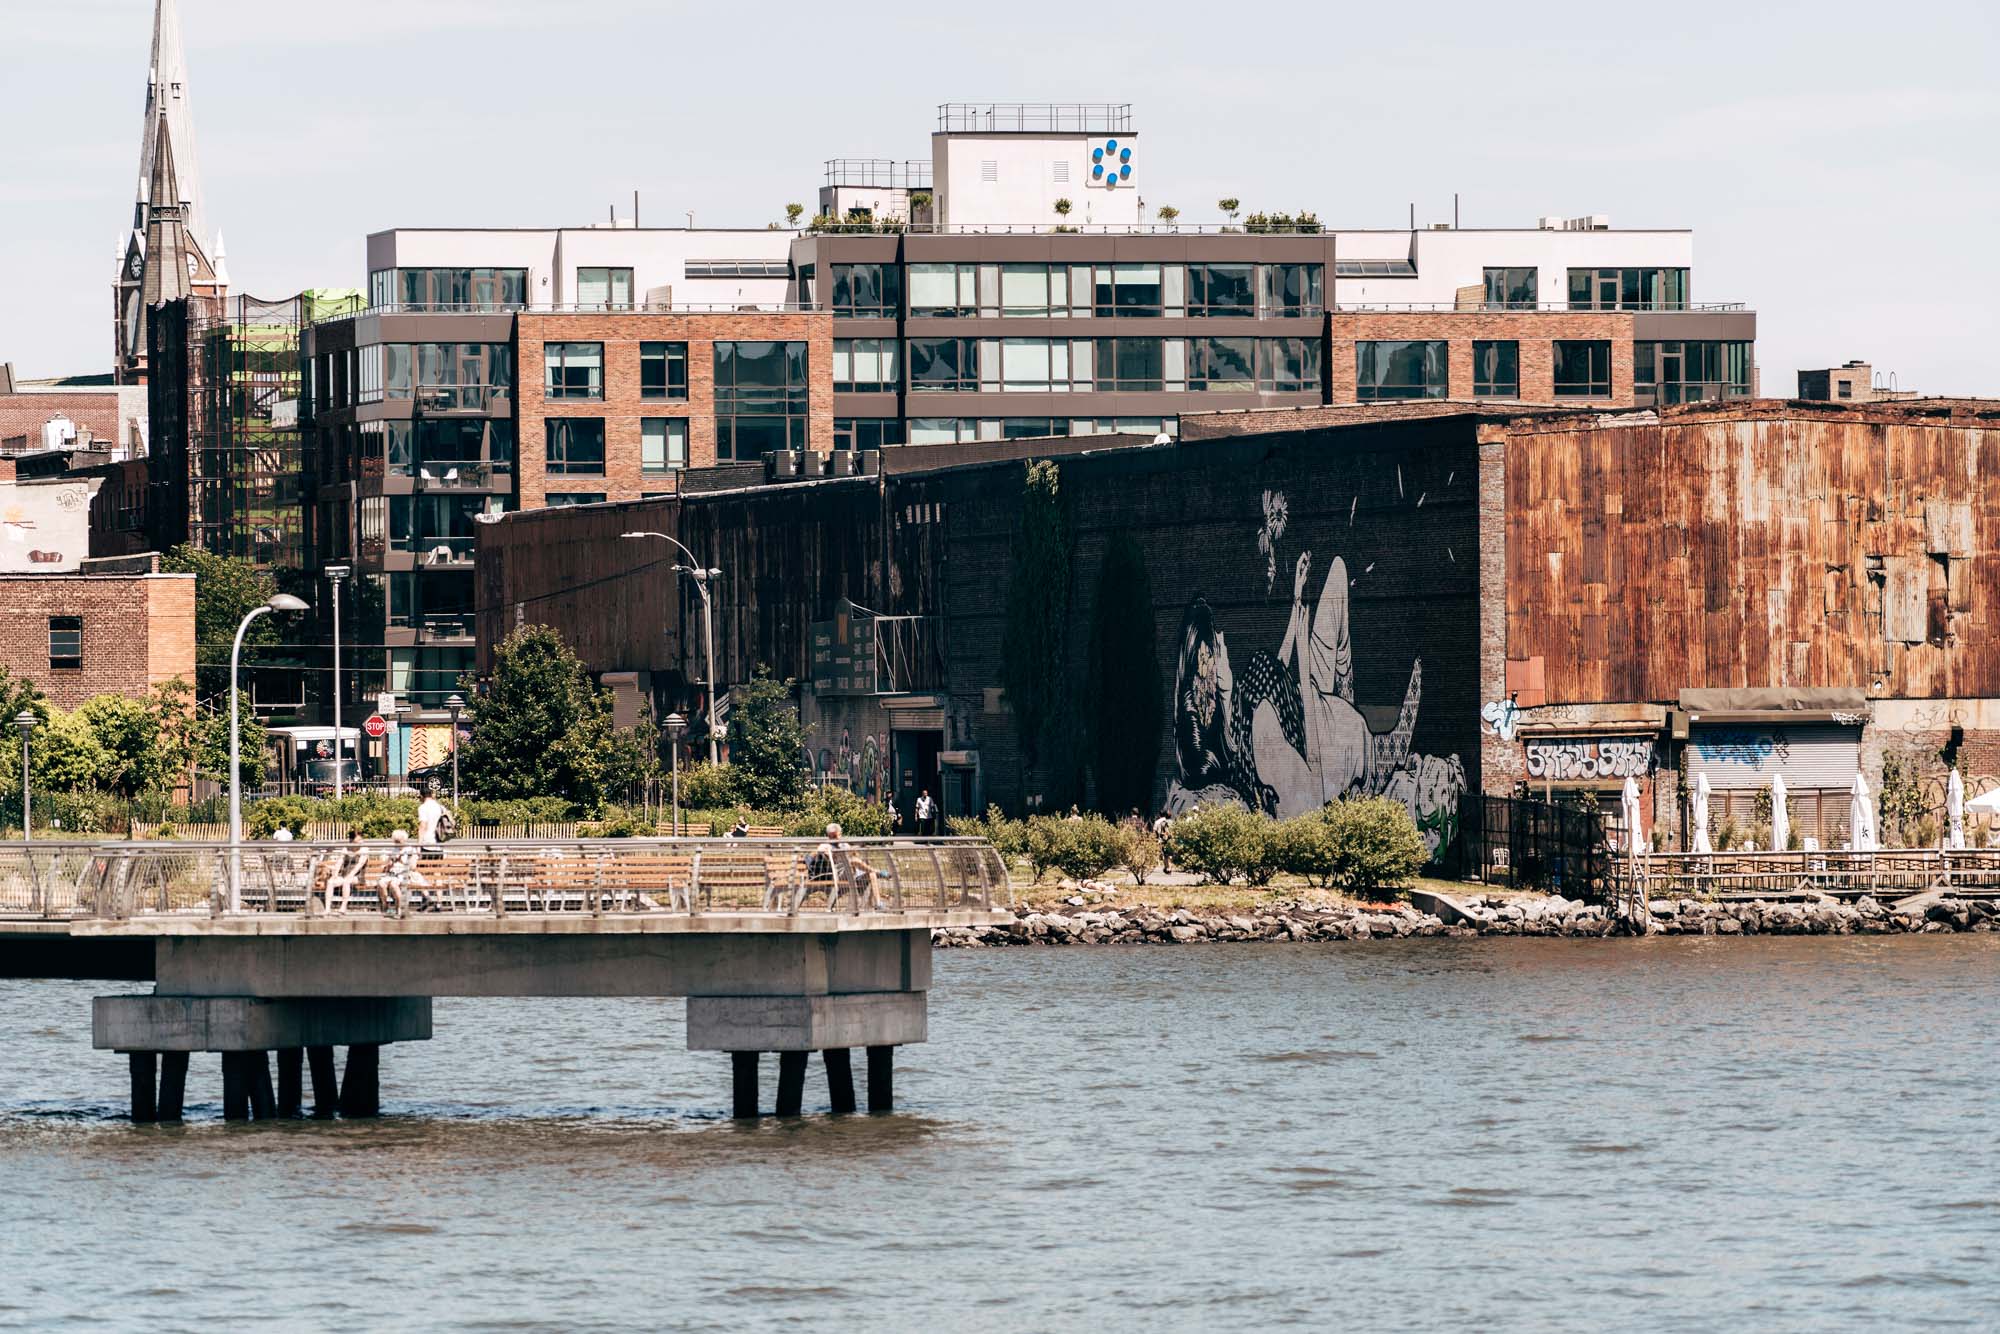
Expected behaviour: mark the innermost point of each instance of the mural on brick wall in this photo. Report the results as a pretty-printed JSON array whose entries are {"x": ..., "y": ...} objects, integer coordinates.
[{"x": 1281, "y": 732}]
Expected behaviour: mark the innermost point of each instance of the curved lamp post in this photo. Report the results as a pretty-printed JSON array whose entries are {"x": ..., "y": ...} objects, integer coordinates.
[
  {"x": 454, "y": 704},
  {"x": 676, "y": 727},
  {"x": 279, "y": 602},
  {"x": 26, "y": 723},
  {"x": 701, "y": 577}
]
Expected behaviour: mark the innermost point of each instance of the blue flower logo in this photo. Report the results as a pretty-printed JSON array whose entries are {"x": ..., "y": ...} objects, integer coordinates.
[{"x": 1110, "y": 165}]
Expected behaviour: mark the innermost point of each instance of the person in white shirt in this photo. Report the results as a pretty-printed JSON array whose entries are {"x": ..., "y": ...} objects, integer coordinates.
[
  {"x": 393, "y": 885},
  {"x": 430, "y": 815},
  {"x": 926, "y": 814}
]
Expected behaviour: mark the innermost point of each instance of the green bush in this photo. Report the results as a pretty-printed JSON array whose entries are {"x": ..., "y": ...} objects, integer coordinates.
[
  {"x": 262, "y": 818},
  {"x": 1223, "y": 843},
  {"x": 1142, "y": 852},
  {"x": 1305, "y": 846},
  {"x": 710, "y": 787},
  {"x": 1008, "y": 837},
  {"x": 1377, "y": 846},
  {"x": 834, "y": 805},
  {"x": 528, "y": 810},
  {"x": 1081, "y": 849}
]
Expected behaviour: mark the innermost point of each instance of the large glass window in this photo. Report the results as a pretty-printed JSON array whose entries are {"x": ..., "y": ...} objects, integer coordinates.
[
  {"x": 1034, "y": 365},
  {"x": 866, "y": 432},
  {"x": 604, "y": 289},
  {"x": 575, "y": 446},
  {"x": 1288, "y": 365},
  {"x": 447, "y": 289},
  {"x": 573, "y": 370},
  {"x": 866, "y": 365},
  {"x": 761, "y": 398},
  {"x": 1583, "y": 369},
  {"x": 1386, "y": 370},
  {"x": 867, "y": 290},
  {"x": 1033, "y": 290},
  {"x": 944, "y": 364},
  {"x": 943, "y": 290},
  {"x": 1222, "y": 289},
  {"x": 1690, "y": 372},
  {"x": 1628, "y": 289},
  {"x": 447, "y": 375},
  {"x": 1293, "y": 289},
  {"x": 1131, "y": 289},
  {"x": 1511, "y": 289},
  {"x": 1496, "y": 368},
  {"x": 1222, "y": 365},
  {"x": 1131, "y": 364},
  {"x": 557, "y": 499},
  {"x": 663, "y": 444},
  {"x": 663, "y": 370}
]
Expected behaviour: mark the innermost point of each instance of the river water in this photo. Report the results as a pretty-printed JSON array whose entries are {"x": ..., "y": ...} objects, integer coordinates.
[{"x": 1674, "y": 1134}]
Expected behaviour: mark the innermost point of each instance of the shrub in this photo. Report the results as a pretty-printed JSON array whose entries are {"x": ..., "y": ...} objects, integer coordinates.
[
  {"x": 527, "y": 810},
  {"x": 1082, "y": 849},
  {"x": 709, "y": 787},
  {"x": 262, "y": 818},
  {"x": 1304, "y": 846},
  {"x": 1223, "y": 843},
  {"x": 1376, "y": 845},
  {"x": 1142, "y": 852},
  {"x": 832, "y": 805},
  {"x": 1008, "y": 837}
]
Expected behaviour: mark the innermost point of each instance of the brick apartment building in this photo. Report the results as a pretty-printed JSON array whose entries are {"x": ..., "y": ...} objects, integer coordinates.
[{"x": 79, "y": 635}]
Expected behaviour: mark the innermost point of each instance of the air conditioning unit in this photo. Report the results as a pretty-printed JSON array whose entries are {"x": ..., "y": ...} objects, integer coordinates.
[
  {"x": 842, "y": 463},
  {"x": 784, "y": 465}
]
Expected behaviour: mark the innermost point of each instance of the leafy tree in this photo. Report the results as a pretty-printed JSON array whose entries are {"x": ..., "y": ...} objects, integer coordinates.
[
  {"x": 138, "y": 749},
  {"x": 793, "y": 212},
  {"x": 1229, "y": 206},
  {"x": 1167, "y": 213},
  {"x": 1062, "y": 207},
  {"x": 225, "y": 589},
  {"x": 542, "y": 728},
  {"x": 1127, "y": 695},
  {"x": 209, "y": 733},
  {"x": 17, "y": 694},
  {"x": 1035, "y": 651},
  {"x": 767, "y": 743},
  {"x": 65, "y": 754}
]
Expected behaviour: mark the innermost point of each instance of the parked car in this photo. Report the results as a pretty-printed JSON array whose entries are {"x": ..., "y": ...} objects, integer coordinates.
[{"x": 420, "y": 780}]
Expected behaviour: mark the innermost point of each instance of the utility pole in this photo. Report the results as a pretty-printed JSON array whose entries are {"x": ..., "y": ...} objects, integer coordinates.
[{"x": 337, "y": 574}]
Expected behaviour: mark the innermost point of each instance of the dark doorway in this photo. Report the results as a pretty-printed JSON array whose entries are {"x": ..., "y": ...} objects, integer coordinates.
[
  {"x": 916, "y": 771},
  {"x": 958, "y": 790}
]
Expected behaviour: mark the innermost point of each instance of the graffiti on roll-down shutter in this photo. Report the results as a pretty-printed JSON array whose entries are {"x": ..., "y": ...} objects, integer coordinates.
[{"x": 1589, "y": 758}]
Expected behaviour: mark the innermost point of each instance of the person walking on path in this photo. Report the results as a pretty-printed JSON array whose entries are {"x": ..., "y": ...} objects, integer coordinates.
[
  {"x": 1162, "y": 826},
  {"x": 431, "y": 816},
  {"x": 926, "y": 814}
]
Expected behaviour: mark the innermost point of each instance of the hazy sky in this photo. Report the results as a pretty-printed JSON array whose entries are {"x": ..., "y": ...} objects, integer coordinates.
[{"x": 1840, "y": 163}]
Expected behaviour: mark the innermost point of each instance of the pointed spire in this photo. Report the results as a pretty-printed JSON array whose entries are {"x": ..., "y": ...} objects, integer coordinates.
[
  {"x": 221, "y": 262},
  {"x": 167, "y": 97},
  {"x": 166, "y": 231}
]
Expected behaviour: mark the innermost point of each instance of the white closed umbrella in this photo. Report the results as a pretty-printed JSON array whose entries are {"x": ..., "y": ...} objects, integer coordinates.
[
  {"x": 1698, "y": 816},
  {"x": 1634, "y": 841},
  {"x": 1860, "y": 817},
  {"x": 1954, "y": 811},
  {"x": 1781, "y": 820}
]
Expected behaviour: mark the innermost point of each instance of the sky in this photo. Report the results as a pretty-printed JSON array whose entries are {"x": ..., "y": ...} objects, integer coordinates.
[{"x": 1839, "y": 163}]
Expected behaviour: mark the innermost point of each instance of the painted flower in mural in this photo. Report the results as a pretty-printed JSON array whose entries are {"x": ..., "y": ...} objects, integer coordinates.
[
  {"x": 1110, "y": 164},
  {"x": 1276, "y": 511}
]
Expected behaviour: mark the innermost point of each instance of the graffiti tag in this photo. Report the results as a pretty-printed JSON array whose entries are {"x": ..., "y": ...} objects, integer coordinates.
[
  {"x": 1749, "y": 749},
  {"x": 1586, "y": 759},
  {"x": 1499, "y": 718}
]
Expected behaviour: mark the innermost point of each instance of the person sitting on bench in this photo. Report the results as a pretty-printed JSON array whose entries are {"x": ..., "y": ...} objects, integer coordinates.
[
  {"x": 393, "y": 885},
  {"x": 835, "y": 860},
  {"x": 348, "y": 865}
]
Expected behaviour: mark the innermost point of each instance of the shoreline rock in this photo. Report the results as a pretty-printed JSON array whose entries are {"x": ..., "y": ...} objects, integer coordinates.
[{"x": 1492, "y": 915}]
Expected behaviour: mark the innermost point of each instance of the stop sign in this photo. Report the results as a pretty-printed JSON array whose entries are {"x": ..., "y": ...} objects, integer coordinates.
[{"x": 376, "y": 726}]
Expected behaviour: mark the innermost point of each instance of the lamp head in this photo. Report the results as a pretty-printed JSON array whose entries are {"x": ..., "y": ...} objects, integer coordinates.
[
  {"x": 26, "y": 722},
  {"x": 675, "y": 724},
  {"x": 454, "y": 703},
  {"x": 285, "y": 602}
]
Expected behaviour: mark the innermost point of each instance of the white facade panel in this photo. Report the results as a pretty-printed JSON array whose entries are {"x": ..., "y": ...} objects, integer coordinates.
[{"x": 1002, "y": 180}]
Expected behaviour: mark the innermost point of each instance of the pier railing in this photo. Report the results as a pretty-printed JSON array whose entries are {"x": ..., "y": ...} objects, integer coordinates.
[
  {"x": 687, "y": 876},
  {"x": 1884, "y": 874}
]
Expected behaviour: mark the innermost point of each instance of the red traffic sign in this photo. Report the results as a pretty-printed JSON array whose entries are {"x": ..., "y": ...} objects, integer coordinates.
[{"x": 376, "y": 726}]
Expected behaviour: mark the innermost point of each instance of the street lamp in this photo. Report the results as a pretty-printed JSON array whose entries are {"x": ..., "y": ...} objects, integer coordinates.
[
  {"x": 454, "y": 705},
  {"x": 26, "y": 721},
  {"x": 701, "y": 577},
  {"x": 278, "y": 602},
  {"x": 338, "y": 575},
  {"x": 677, "y": 727}
]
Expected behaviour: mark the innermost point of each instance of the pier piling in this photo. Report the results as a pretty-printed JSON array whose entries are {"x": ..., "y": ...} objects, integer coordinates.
[
  {"x": 326, "y": 1088},
  {"x": 173, "y": 1084},
  {"x": 291, "y": 1081},
  {"x": 881, "y": 1079},
  {"x": 263, "y": 1103},
  {"x": 840, "y": 1078},
  {"x": 361, "y": 1086},
  {"x": 235, "y": 1086},
  {"x": 743, "y": 1084},
  {"x": 791, "y": 1082},
  {"x": 145, "y": 1105}
]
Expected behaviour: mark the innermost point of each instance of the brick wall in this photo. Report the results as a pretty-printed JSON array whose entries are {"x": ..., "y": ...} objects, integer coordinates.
[
  {"x": 1536, "y": 331},
  {"x": 22, "y": 416},
  {"x": 138, "y": 632},
  {"x": 623, "y": 409}
]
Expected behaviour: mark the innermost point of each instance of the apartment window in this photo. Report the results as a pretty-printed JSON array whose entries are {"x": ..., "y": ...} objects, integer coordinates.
[
  {"x": 1691, "y": 372},
  {"x": 604, "y": 289},
  {"x": 663, "y": 444},
  {"x": 1030, "y": 290},
  {"x": 573, "y": 370},
  {"x": 1034, "y": 365},
  {"x": 867, "y": 290},
  {"x": 575, "y": 446},
  {"x": 866, "y": 432},
  {"x": 1583, "y": 369},
  {"x": 1222, "y": 365},
  {"x": 761, "y": 398},
  {"x": 1511, "y": 289},
  {"x": 663, "y": 370},
  {"x": 1130, "y": 364},
  {"x": 1844, "y": 389},
  {"x": 1222, "y": 289},
  {"x": 1496, "y": 367},
  {"x": 866, "y": 365},
  {"x": 1628, "y": 289},
  {"x": 1388, "y": 370},
  {"x": 943, "y": 290},
  {"x": 558, "y": 499},
  {"x": 944, "y": 364},
  {"x": 65, "y": 641},
  {"x": 446, "y": 289},
  {"x": 1293, "y": 289},
  {"x": 942, "y": 430},
  {"x": 446, "y": 376},
  {"x": 1288, "y": 365},
  {"x": 1122, "y": 290}
]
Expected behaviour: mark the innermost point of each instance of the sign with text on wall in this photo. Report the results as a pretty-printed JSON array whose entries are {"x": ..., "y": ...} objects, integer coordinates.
[
  {"x": 843, "y": 652},
  {"x": 1587, "y": 759}
]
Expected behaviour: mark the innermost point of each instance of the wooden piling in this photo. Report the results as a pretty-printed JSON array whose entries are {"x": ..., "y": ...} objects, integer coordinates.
[
  {"x": 235, "y": 1087},
  {"x": 361, "y": 1085},
  {"x": 263, "y": 1103},
  {"x": 291, "y": 1081},
  {"x": 881, "y": 1079},
  {"x": 145, "y": 1103},
  {"x": 326, "y": 1088},
  {"x": 840, "y": 1077},
  {"x": 173, "y": 1084},
  {"x": 791, "y": 1082},
  {"x": 743, "y": 1084}
]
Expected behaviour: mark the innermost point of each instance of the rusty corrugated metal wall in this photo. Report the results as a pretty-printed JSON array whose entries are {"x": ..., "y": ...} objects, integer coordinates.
[{"x": 1779, "y": 545}]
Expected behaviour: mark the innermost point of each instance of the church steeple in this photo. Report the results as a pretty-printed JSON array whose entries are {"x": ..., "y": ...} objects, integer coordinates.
[
  {"x": 167, "y": 97},
  {"x": 170, "y": 264}
]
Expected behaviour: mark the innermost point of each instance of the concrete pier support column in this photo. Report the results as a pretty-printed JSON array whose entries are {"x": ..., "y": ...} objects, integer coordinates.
[
  {"x": 743, "y": 1084},
  {"x": 791, "y": 1082},
  {"x": 263, "y": 1101},
  {"x": 326, "y": 1086},
  {"x": 145, "y": 1101},
  {"x": 881, "y": 1079},
  {"x": 840, "y": 1078},
  {"x": 235, "y": 1086},
  {"x": 291, "y": 1081},
  {"x": 361, "y": 1085},
  {"x": 173, "y": 1084}
]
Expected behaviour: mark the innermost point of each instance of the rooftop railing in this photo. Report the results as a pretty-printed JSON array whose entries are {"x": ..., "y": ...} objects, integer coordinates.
[
  {"x": 584, "y": 877},
  {"x": 1533, "y": 307},
  {"x": 878, "y": 173},
  {"x": 581, "y": 308},
  {"x": 1035, "y": 117}
]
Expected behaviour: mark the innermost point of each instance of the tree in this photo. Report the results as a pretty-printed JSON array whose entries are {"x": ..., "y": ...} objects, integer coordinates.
[
  {"x": 1167, "y": 213},
  {"x": 1229, "y": 207},
  {"x": 542, "y": 729},
  {"x": 1035, "y": 650},
  {"x": 767, "y": 742},
  {"x": 793, "y": 212},
  {"x": 1062, "y": 207},
  {"x": 137, "y": 746},
  {"x": 1127, "y": 694},
  {"x": 225, "y": 589},
  {"x": 65, "y": 755}
]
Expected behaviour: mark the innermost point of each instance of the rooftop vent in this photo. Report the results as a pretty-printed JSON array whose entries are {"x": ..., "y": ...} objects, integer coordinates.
[{"x": 1589, "y": 222}]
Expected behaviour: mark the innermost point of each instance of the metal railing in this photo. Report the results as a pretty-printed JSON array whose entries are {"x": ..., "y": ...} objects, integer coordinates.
[
  {"x": 1036, "y": 117},
  {"x": 495, "y": 878},
  {"x": 1533, "y": 307},
  {"x": 439, "y": 475},
  {"x": 1888, "y": 873},
  {"x": 879, "y": 173},
  {"x": 582, "y": 308}
]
